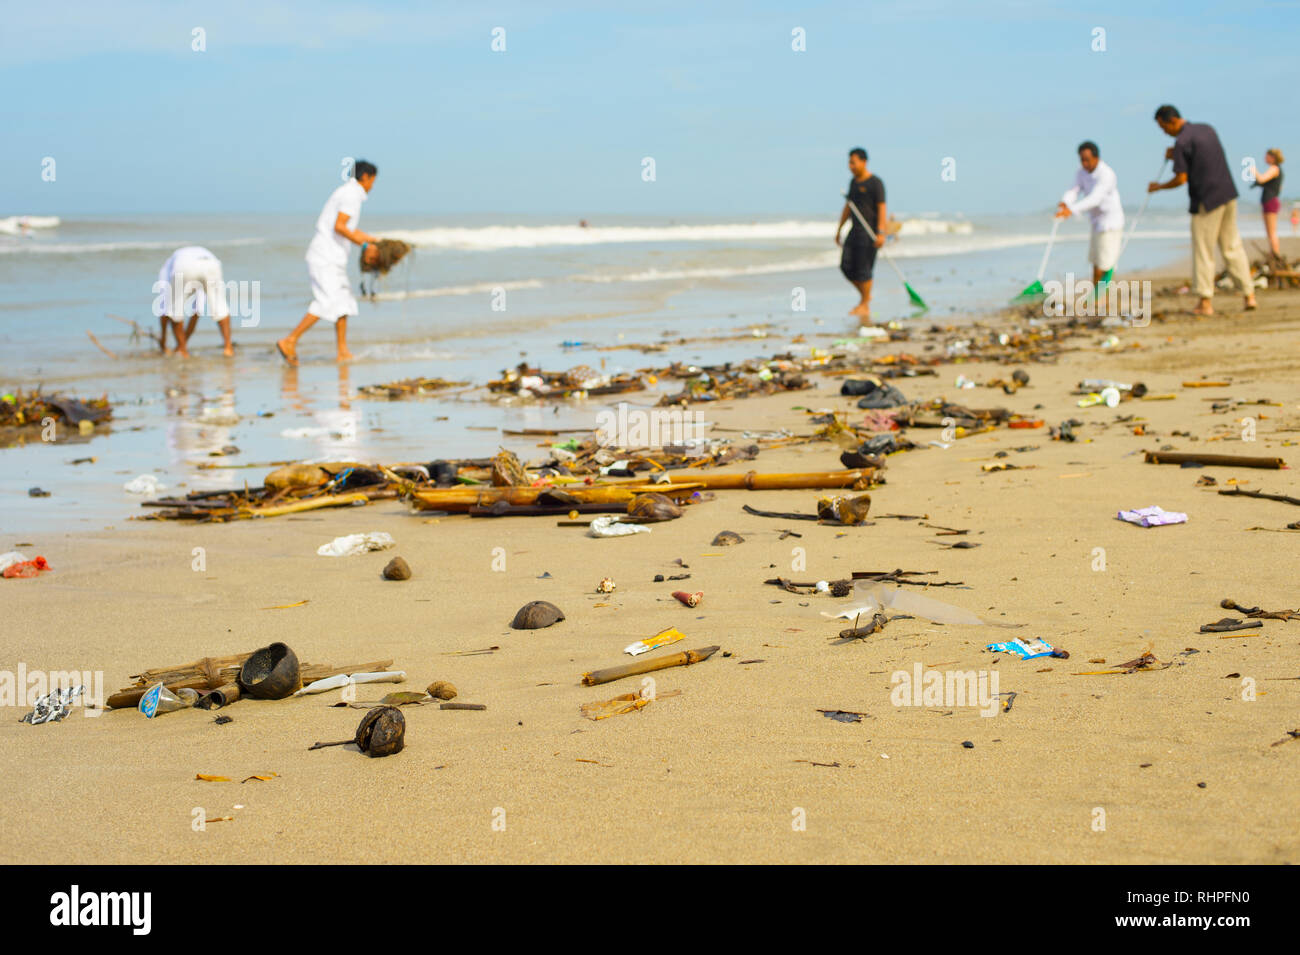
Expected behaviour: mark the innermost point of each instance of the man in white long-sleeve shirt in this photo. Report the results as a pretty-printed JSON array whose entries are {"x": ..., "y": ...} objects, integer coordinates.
[{"x": 1096, "y": 192}]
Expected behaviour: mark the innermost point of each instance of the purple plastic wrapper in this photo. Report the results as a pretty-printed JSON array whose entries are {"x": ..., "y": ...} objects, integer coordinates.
[{"x": 1152, "y": 516}]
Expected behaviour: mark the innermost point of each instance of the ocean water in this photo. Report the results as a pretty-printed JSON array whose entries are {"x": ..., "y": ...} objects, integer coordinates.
[{"x": 476, "y": 297}]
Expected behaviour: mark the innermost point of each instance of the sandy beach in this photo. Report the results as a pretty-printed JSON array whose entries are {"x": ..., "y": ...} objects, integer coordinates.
[{"x": 1165, "y": 765}]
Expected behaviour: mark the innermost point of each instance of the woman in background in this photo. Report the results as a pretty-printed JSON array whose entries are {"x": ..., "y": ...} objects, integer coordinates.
[{"x": 1270, "y": 181}]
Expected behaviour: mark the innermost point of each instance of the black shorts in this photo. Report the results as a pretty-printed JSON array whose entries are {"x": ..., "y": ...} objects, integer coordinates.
[{"x": 857, "y": 260}]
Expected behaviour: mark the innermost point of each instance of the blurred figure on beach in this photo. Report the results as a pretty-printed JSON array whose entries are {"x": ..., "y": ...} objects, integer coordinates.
[
  {"x": 1270, "y": 199},
  {"x": 866, "y": 192},
  {"x": 1096, "y": 192},
  {"x": 1199, "y": 162},
  {"x": 327, "y": 262},
  {"x": 190, "y": 276}
]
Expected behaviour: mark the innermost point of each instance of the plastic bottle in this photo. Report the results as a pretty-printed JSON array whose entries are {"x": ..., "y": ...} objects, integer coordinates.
[{"x": 158, "y": 700}]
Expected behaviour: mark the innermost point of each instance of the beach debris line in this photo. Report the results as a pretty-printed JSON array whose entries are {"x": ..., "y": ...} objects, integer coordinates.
[
  {"x": 409, "y": 388},
  {"x": 685, "y": 658},
  {"x": 381, "y": 732},
  {"x": 29, "y": 410},
  {"x": 211, "y": 673}
]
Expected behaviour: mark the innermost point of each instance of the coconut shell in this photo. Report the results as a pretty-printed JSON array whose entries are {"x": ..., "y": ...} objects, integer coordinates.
[
  {"x": 442, "y": 690},
  {"x": 536, "y": 615},
  {"x": 397, "y": 569},
  {"x": 297, "y": 475},
  {"x": 382, "y": 731},
  {"x": 653, "y": 507}
]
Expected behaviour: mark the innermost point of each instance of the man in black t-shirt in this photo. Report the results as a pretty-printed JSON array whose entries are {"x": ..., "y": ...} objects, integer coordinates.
[
  {"x": 867, "y": 194},
  {"x": 1199, "y": 162}
]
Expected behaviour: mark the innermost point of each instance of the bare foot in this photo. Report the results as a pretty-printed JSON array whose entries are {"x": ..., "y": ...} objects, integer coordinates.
[
  {"x": 228, "y": 352},
  {"x": 345, "y": 355},
  {"x": 183, "y": 352},
  {"x": 287, "y": 351},
  {"x": 1205, "y": 308},
  {"x": 1251, "y": 304},
  {"x": 862, "y": 311}
]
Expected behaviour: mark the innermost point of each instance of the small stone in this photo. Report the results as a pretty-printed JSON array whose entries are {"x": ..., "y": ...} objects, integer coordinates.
[
  {"x": 727, "y": 539},
  {"x": 397, "y": 569},
  {"x": 967, "y": 744},
  {"x": 441, "y": 690}
]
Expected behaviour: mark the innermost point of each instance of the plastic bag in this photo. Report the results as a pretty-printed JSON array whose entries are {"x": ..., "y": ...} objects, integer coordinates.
[
  {"x": 882, "y": 597},
  {"x": 352, "y": 544}
]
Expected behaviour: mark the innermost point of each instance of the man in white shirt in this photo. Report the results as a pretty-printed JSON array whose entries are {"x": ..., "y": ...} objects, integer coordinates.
[
  {"x": 191, "y": 275},
  {"x": 1096, "y": 192},
  {"x": 327, "y": 262}
]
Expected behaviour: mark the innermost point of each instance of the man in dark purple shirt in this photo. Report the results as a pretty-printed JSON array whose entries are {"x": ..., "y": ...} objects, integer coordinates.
[{"x": 1199, "y": 162}]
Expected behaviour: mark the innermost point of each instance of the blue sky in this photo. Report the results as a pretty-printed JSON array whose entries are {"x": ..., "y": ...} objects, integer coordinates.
[{"x": 737, "y": 122}]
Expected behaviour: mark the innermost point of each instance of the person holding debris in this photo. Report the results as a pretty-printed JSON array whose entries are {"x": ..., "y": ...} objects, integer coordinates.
[
  {"x": 1270, "y": 198},
  {"x": 867, "y": 194},
  {"x": 1199, "y": 162},
  {"x": 327, "y": 262},
  {"x": 190, "y": 276},
  {"x": 1096, "y": 192}
]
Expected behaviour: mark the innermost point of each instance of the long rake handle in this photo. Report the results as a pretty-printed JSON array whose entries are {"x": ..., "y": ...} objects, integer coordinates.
[
  {"x": 1047, "y": 253},
  {"x": 872, "y": 232},
  {"x": 1141, "y": 211}
]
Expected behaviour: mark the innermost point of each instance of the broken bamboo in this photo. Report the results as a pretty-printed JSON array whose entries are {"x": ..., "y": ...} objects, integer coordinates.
[
  {"x": 685, "y": 658},
  {"x": 1213, "y": 460}
]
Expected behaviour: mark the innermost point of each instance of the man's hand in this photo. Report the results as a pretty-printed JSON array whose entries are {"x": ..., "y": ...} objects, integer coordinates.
[
  {"x": 880, "y": 240},
  {"x": 1154, "y": 187},
  {"x": 837, "y": 238},
  {"x": 1063, "y": 211}
]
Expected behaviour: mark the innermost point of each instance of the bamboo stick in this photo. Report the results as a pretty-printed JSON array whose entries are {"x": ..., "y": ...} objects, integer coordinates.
[
  {"x": 1216, "y": 460},
  {"x": 686, "y": 658}
]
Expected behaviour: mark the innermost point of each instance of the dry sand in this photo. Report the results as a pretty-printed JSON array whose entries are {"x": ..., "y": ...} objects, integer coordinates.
[{"x": 723, "y": 771}]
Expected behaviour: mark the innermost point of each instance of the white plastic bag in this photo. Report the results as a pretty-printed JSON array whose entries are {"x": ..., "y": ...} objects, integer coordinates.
[{"x": 352, "y": 544}]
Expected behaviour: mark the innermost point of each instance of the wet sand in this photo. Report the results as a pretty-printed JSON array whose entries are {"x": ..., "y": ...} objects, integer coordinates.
[{"x": 725, "y": 771}]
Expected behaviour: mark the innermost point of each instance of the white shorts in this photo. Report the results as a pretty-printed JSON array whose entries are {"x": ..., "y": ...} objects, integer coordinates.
[
  {"x": 331, "y": 293},
  {"x": 196, "y": 283},
  {"x": 1103, "y": 249}
]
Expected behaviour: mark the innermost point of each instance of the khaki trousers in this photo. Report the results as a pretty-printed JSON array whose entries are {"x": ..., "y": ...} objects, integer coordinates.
[{"x": 1218, "y": 228}]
